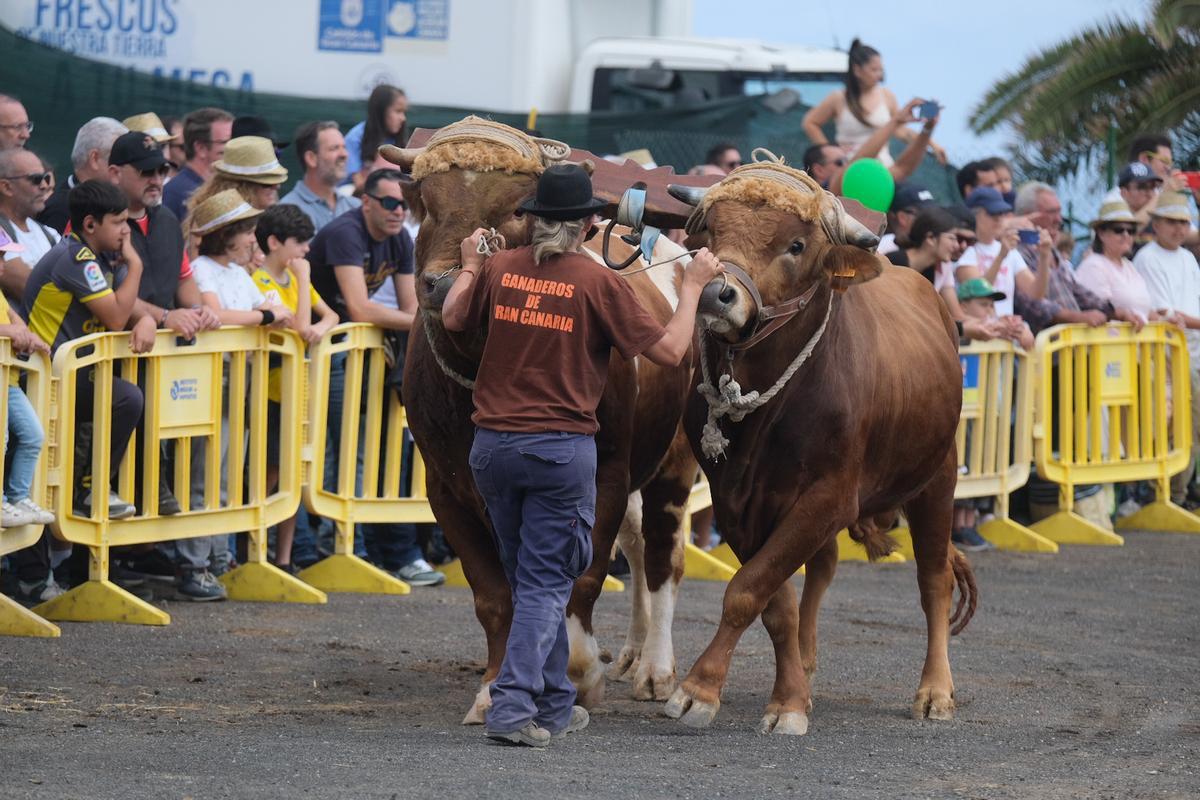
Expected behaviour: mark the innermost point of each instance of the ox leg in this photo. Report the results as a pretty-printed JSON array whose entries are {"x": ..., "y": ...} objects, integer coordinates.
[
  {"x": 585, "y": 668},
  {"x": 816, "y": 517},
  {"x": 629, "y": 537},
  {"x": 472, "y": 542},
  {"x": 664, "y": 504},
  {"x": 792, "y": 696},
  {"x": 818, "y": 574},
  {"x": 929, "y": 517}
]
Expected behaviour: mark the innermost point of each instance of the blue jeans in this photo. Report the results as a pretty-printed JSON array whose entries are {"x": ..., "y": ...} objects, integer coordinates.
[
  {"x": 540, "y": 491},
  {"x": 25, "y": 427},
  {"x": 390, "y": 545}
]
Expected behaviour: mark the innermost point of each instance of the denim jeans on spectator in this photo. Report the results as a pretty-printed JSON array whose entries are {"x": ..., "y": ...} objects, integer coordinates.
[
  {"x": 25, "y": 428},
  {"x": 389, "y": 545}
]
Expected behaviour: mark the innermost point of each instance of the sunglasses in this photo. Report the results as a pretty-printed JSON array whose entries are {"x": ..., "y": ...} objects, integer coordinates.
[
  {"x": 965, "y": 240},
  {"x": 837, "y": 162},
  {"x": 36, "y": 178},
  {"x": 161, "y": 172},
  {"x": 389, "y": 203},
  {"x": 1122, "y": 230},
  {"x": 732, "y": 164}
]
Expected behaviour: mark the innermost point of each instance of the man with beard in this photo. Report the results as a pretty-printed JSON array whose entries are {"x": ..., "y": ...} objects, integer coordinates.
[
  {"x": 22, "y": 197},
  {"x": 322, "y": 150}
]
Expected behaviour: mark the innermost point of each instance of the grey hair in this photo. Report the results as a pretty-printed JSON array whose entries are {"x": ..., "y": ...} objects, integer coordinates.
[
  {"x": 98, "y": 134},
  {"x": 1027, "y": 195},
  {"x": 552, "y": 236}
]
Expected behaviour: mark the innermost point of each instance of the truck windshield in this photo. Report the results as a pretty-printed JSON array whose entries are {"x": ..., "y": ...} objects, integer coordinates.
[{"x": 634, "y": 90}]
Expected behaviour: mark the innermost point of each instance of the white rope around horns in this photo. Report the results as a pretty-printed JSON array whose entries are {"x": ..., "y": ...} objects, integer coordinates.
[{"x": 725, "y": 399}]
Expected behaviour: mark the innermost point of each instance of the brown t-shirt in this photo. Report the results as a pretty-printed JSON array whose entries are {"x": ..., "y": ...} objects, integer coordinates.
[{"x": 550, "y": 331}]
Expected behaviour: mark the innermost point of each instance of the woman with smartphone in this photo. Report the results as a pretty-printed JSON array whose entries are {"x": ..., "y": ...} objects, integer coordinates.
[{"x": 863, "y": 107}]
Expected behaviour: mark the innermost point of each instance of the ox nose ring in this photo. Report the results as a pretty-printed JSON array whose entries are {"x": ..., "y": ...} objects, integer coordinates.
[{"x": 727, "y": 295}]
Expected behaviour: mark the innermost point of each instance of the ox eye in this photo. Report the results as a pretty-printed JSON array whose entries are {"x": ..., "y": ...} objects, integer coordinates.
[{"x": 796, "y": 247}]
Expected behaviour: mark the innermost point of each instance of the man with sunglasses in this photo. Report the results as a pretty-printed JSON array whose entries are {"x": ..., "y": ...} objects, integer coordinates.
[
  {"x": 351, "y": 258},
  {"x": 15, "y": 127},
  {"x": 23, "y": 181}
]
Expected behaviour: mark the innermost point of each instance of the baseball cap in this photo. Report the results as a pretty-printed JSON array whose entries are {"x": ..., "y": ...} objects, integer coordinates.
[
  {"x": 138, "y": 150},
  {"x": 7, "y": 245},
  {"x": 256, "y": 126},
  {"x": 989, "y": 199},
  {"x": 976, "y": 288},
  {"x": 1137, "y": 171},
  {"x": 910, "y": 194}
]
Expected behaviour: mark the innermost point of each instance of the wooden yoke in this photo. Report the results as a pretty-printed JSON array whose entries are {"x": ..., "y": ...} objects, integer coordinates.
[{"x": 609, "y": 182}]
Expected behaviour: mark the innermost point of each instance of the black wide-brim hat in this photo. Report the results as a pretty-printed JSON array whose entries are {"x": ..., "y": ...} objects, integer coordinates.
[{"x": 564, "y": 192}]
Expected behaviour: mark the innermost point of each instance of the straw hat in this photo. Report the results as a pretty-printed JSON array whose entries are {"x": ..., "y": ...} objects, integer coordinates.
[
  {"x": 251, "y": 158},
  {"x": 1113, "y": 211},
  {"x": 1172, "y": 205},
  {"x": 152, "y": 126},
  {"x": 223, "y": 208}
]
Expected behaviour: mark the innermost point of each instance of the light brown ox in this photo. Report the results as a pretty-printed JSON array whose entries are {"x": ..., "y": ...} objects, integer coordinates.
[
  {"x": 865, "y": 426},
  {"x": 640, "y": 447}
]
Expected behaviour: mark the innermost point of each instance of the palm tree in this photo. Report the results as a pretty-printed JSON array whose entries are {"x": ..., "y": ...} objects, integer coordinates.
[{"x": 1065, "y": 104}]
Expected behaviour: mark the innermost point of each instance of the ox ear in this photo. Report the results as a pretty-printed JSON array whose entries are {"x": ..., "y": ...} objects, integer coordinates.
[
  {"x": 412, "y": 195},
  {"x": 848, "y": 265}
]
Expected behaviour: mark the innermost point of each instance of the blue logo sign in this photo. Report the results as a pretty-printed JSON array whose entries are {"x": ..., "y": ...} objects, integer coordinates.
[
  {"x": 419, "y": 19},
  {"x": 351, "y": 25},
  {"x": 1112, "y": 369},
  {"x": 185, "y": 389}
]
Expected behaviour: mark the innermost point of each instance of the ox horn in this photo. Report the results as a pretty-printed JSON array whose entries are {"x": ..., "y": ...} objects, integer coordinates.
[
  {"x": 692, "y": 195},
  {"x": 403, "y": 156},
  {"x": 859, "y": 235}
]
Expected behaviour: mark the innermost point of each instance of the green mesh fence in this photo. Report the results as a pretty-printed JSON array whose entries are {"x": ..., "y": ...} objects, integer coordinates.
[{"x": 61, "y": 92}]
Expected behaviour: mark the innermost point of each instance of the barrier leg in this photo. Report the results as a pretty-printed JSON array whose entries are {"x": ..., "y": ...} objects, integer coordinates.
[
  {"x": 1161, "y": 515},
  {"x": 1067, "y": 527},
  {"x": 100, "y": 600},
  {"x": 724, "y": 553},
  {"x": 16, "y": 620},
  {"x": 345, "y": 572},
  {"x": 702, "y": 566},
  {"x": 1009, "y": 535},
  {"x": 259, "y": 581},
  {"x": 850, "y": 550},
  {"x": 904, "y": 546},
  {"x": 455, "y": 577}
]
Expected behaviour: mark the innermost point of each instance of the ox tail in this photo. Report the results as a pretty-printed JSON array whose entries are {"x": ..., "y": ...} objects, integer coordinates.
[
  {"x": 872, "y": 534},
  {"x": 968, "y": 592}
]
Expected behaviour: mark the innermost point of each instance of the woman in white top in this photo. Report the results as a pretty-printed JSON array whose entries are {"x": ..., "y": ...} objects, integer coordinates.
[
  {"x": 861, "y": 108},
  {"x": 1107, "y": 271}
]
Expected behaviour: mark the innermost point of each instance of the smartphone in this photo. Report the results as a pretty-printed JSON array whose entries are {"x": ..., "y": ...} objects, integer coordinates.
[
  {"x": 928, "y": 110},
  {"x": 1029, "y": 236}
]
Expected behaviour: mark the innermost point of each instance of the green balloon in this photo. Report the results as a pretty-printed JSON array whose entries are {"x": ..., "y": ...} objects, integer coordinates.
[{"x": 869, "y": 182}]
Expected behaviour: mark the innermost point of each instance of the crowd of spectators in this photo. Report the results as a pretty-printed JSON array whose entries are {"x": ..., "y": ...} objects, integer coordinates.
[{"x": 178, "y": 224}]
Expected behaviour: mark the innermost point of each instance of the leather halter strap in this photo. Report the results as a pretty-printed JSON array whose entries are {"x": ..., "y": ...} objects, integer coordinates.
[{"x": 774, "y": 317}]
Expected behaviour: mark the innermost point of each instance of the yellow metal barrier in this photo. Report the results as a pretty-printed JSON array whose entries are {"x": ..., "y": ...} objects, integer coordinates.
[
  {"x": 1102, "y": 417},
  {"x": 15, "y": 619},
  {"x": 183, "y": 398},
  {"x": 356, "y": 351}
]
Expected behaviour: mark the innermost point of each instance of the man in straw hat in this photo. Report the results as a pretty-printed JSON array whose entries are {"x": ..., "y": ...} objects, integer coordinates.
[
  {"x": 553, "y": 317},
  {"x": 1173, "y": 278}
]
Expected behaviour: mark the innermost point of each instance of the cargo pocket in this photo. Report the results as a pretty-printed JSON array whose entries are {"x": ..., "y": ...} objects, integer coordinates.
[
  {"x": 559, "y": 451},
  {"x": 581, "y": 555}
]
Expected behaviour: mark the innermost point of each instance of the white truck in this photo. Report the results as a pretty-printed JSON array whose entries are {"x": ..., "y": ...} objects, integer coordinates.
[{"x": 498, "y": 55}]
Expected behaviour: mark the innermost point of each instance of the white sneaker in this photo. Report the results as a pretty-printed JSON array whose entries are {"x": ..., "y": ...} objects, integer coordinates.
[
  {"x": 420, "y": 573},
  {"x": 40, "y": 515},
  {"x": 1128, "y": 508},
  {"x": 12, "y": 516}
]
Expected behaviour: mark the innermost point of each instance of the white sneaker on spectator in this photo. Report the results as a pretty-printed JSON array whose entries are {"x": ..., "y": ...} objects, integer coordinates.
[
  {"x": 420, "y": 573},
  {"x": 13, "y": 516},
  {"x": 40, "y": 515},
  {"x": 32, "y": 594},
  {"x": 1128, "y": 508},
  {"x": 117, "y": 508}
]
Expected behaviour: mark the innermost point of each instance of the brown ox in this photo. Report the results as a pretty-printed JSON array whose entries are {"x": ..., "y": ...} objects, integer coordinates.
[
  {"x": 865, "y": 425},
  {"x": 463, "y": 183}
]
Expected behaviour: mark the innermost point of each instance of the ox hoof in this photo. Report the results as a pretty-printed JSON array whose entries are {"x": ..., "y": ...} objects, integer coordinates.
[
  {"x": 933, "y": 704},
  {"x": 690, "y": 711},
  {"x": 478, "y": 712},
  {"x": 787, "y": 723},
  {"x": 626, "y": 665},
  {"x": 653, "y": 684}
]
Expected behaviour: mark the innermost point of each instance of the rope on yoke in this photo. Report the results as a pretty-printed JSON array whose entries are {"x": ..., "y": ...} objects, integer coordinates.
[{"x": 725, "y": 398}]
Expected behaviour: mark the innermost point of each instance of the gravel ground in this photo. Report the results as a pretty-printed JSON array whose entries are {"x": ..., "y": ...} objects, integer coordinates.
[{"x": 1077, "y": 678}]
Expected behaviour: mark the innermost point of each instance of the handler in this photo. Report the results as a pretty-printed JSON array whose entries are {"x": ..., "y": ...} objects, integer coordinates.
[{"x": 553, "y": 316}]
